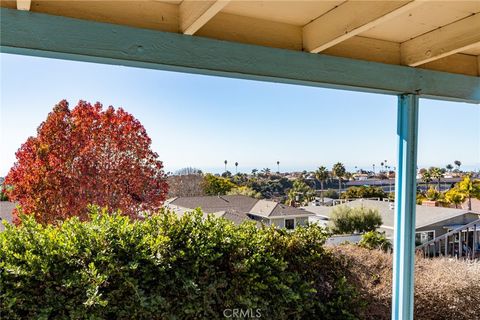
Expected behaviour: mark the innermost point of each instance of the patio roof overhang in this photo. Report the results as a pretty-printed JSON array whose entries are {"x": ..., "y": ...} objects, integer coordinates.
[
  {"x": 408, "y": 48},
  {"x": 375, "y": 46}
]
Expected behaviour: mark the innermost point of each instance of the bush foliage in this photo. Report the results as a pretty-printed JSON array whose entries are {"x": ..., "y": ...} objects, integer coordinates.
[
  {"x": 214, "y": 186},
  {"x": 166, "y": 267},
  {"x": 375, "y": 240},
  {"x": 444, "y": 288},
  {"x": 364, "y": 192},
  {"x": 347, "y": 220}
]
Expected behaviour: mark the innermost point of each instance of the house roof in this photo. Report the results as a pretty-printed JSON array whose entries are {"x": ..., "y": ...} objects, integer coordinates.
[
  {"x": 233, "y": 215},
  {"x": 236, "y": 205},
  {"x": 475, "y": 205},
  {"x": 6, "y": 212},
  {"x": 424, "y": 215},
  {"x": 211, "y": 204}
]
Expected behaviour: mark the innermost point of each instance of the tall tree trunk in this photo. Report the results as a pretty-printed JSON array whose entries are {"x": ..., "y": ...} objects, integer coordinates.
[
  {"x": 323, "y": 199},
  {"x": 470, "y": 203},
  {"x": 339, "y": 186}
]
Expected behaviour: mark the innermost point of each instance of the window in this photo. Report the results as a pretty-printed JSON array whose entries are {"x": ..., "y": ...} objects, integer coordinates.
[
  {"x": 289, "y": 223},
  {"x": 424, "y": 236}
]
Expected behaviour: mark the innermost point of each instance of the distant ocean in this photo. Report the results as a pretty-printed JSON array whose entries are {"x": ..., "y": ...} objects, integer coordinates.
[{"x": 273, "y": 168}]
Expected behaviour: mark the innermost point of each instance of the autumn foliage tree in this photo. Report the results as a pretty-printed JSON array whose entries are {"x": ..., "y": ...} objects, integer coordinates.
[{"x": 84, "y": 156}]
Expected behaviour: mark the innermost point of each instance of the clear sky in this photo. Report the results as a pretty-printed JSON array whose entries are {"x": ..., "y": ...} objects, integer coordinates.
[{"x": 200, "y": 121}]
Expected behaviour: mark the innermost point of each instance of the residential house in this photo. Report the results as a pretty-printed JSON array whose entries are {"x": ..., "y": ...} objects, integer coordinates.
[
  {"x": 431, "y": 222},
  {"x": 240, "y": 208}
]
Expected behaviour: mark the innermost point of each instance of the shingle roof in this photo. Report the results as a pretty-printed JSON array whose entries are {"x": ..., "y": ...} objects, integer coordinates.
[
  {"x": 424, "y": 215},
  {"x": 233, "y": 215},
  {"x": 238, "y": 205},
  {"x": 267, "y": 208},
  {"x": 475, "y": 205},
  {"x": 6, "y": 209},
  {"x": 211, "y": 204}
]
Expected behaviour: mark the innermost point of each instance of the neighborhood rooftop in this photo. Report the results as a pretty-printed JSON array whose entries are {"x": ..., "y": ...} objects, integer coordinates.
[
  {"x": 425, "y": 215},
  {"x": 238, "y": 203},
  {"x": 238, "y": 208},
  {"x": 6, "y": 209}
]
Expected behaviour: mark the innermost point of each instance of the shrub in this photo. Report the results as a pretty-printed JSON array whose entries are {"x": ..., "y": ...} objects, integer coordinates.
[
  {"x": 245, "y": 191},
  {"x": 330, "y": 193},
  {"x": 364, "y": 192},
  {"x": 214, "y": 186},
  {"x": 444, "y": 288},
  {"x": 432, "y": 194},
  {"x": 346, "y": 219},
  {"x": 375, "y": 240},
  {"x": 166, "y": 267}
]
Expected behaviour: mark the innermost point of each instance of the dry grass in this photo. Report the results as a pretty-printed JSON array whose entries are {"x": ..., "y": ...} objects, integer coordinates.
[{"x": 444, "y": 288}]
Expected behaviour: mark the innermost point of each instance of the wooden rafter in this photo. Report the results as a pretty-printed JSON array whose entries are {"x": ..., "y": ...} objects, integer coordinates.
[
  {"x": 350, "y": 19},
  {"x": 450, "y": 39},
  {"x": 25, "y": 33},
  {"x": 24, "y": 5},
  {"x": 195, "y": 14}
]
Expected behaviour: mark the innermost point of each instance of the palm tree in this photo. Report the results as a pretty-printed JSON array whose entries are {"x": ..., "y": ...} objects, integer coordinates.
[
  {"x": 436, "y": 173},
  {"x": 266, "y": 171},
  {"x": 254, "y": 172},
  {"x": 373, "y": 166},
  {"x": 469, "y": 188},
  {"x": 278, "y": 166},
  {"x": 458, "y": 164},
  {"x": 449, "y": 167},
  {"x": 339, "y": 171},
  {"x": 348, "y": 176},
  {"x": 236, "y": 167},
  {"x": 427, "y": 178},
  {"x": 322, "y": 176},
  {"x": 225, "y": 165}
]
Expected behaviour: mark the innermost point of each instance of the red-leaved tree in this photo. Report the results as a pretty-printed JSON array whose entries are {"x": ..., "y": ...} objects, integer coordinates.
[{"x": 83, "y": 156}]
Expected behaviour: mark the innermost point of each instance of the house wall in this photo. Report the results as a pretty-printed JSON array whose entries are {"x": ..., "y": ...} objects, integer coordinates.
[
  {"x": 278, "y": 222},
  {"x": 439, "y": 226},
  {"x": 388, "y": 232},
  {"x": 301, "y": 221}
]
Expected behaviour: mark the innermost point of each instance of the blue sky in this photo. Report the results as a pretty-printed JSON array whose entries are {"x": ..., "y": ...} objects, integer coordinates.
[{"x": 200, "y": 121}]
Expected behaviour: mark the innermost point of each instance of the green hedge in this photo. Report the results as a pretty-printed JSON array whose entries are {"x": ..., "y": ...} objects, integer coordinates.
[{"x": 167, "y": 267}]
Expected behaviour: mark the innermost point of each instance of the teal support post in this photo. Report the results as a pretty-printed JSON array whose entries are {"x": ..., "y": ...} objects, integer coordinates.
[{"x": 405, "y": 202}]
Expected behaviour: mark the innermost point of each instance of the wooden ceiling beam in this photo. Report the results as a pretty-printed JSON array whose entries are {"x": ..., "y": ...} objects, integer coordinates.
[
  {"x": 195, "y": 14},
  {"x": 350, "y": 19},
  {"x": 369, "y": 49},
  {"x": 24, "y": 5},
  {"x": 27, "y": 33},
  {"x": 450, "y": 39}
]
